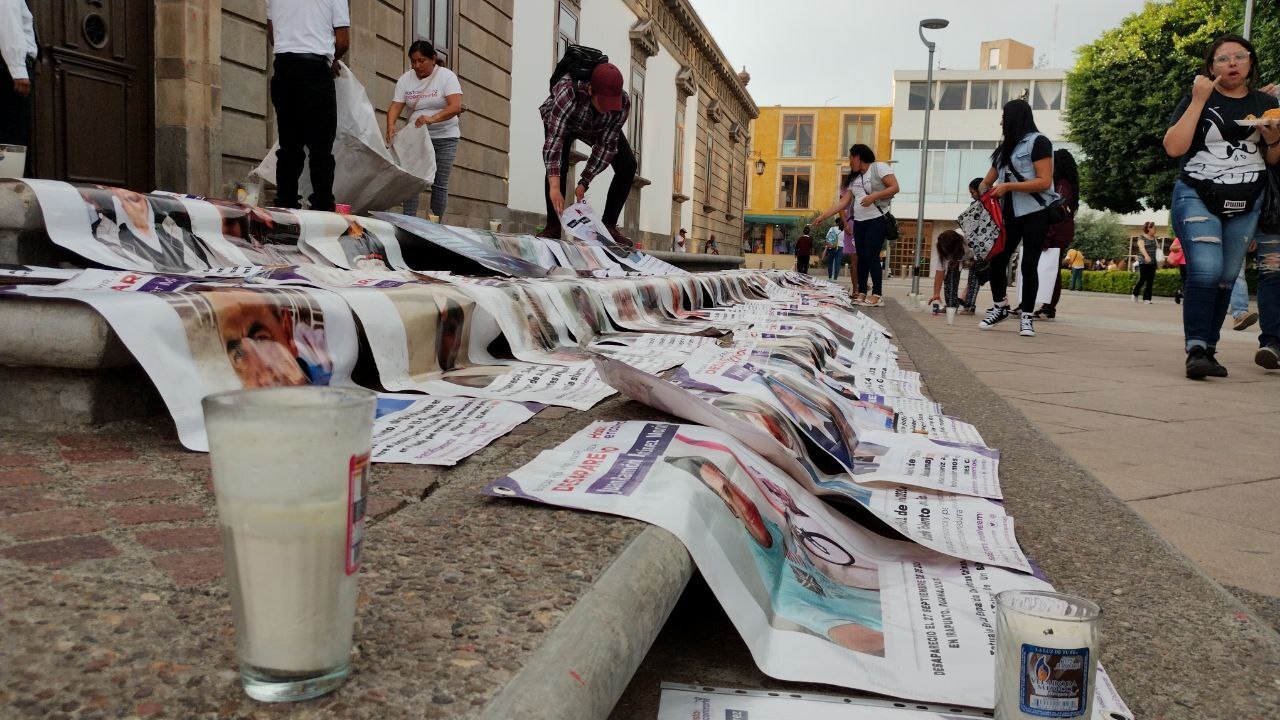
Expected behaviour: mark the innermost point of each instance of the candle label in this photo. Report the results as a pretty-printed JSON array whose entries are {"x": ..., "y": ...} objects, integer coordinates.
[
  {"x": 1055, "y": 681},
  {"x": 357, "y": 491}
]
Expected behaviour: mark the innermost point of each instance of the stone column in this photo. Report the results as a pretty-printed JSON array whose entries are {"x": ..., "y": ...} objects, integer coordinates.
[{"x": 188, "y": 44}]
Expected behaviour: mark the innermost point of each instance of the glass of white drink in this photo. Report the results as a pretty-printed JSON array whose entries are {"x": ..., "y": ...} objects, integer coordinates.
[
  {"x": 1046, "y": 655},
  {"x": 290, "y": 474}
]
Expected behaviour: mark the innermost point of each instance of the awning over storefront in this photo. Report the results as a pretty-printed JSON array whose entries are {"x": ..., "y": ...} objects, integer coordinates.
[{"x": 774, "y": 219}]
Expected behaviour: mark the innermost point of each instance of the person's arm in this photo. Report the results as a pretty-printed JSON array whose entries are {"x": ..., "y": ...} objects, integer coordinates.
[
  {"x": 1142, "y": 248},
  {"x": 603, "y": 152},
  {"x": 555, "y": 127},
  {"x": 987, "y": 180},
  {"x": 453, "y": 108},
  {"x": 846, "y": 198},
  {"x": 937, "y": 287},
  {"x": 341, "y": 42},
  {"x": 13, "y": 46},
  {"x": 393, "y": 114},
  {"x": 1042, "y": 181},
  {"x": 890, "y": 189},
  {"x": 1177, "y": 139}
]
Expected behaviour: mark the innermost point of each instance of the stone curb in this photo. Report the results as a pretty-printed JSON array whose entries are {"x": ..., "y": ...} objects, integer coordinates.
[
  {"x": 1176, "y": 643},
  {"x": 582, "y": 669}
]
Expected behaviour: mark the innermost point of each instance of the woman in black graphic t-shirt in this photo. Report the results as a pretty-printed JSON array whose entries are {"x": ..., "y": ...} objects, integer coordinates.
[{"x": 1215, "y": 209}]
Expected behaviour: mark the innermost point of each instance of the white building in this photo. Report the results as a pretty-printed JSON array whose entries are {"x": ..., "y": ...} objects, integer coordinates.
[
  {"x": 690, "y": 113},
  {"x": 964, "y": 129}
]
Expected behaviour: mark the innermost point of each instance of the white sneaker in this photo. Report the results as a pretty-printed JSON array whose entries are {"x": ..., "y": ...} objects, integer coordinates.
[
  {"x": 1135, "y": 298},
  {"x": 1146, "y": 302},
  {"x": 1027, "y": 330}
]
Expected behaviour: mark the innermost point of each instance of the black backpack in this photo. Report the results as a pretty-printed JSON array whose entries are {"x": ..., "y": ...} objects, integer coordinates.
[{"x": 579, "y": 61}]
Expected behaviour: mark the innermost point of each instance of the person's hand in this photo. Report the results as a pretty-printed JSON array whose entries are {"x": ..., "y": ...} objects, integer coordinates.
[
  {"x": 22, "y": 87},
  {"x": 1202, "y": 87},
  {"x": 337, "y": 68},
  {"x": 579, "y": 193},
  {"x": 391, "y": 135},
  {"x": 1271, "y": 89},
  {"x": 422, "y": 120},
  {"x": 1270, "y": 133},
  {"x": 934, "y": 299},
  {"x": 557, "y": 198},
  {"x": 866, "y": 201},
  {"x": 999, "y": 191}
]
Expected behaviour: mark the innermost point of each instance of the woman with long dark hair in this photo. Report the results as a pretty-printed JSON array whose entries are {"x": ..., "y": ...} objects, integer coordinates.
[
  {"x": 1023, "y": 165},
  {"x": 867, "y": 193},
  {"x": 1215, "y": 198},
  {"x": 1066, "y": 180}
]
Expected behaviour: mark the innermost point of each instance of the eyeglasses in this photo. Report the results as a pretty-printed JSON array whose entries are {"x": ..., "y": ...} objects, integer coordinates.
[{"x": 1224, "y": 59}]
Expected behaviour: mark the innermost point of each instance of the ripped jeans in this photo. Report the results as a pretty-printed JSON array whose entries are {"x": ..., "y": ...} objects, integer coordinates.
[
  {"x": 1215, "y": 251},
  {"x": 1268, "y": 287}
]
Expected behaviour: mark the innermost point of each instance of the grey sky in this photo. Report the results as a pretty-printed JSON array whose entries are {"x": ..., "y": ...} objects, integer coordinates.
[{"x": 802, "y": 52}]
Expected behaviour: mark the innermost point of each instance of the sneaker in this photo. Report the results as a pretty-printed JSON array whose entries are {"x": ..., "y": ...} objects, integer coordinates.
[
  {"x": 1134, "y": 298},
  {"x": 1177, "y": 298},
  {"x": 968, "y": 311},
  {"x": 1244, "y": 320},
  {"x": 994, "y": 316},
  {"x": 1044, "y": 313},
  {"x": 1027, "y": 330},
  {"x": 873, "y": 300},
  {"x": 1218, "y": 369},
  {"x": 1198, "y": 363},
  {"x": 1268, "y": 356},
  {"x": 1146, "y": 302}
]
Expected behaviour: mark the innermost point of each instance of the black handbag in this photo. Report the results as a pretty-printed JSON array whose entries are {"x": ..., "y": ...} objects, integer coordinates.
[{"x": 1059, "y": 211}]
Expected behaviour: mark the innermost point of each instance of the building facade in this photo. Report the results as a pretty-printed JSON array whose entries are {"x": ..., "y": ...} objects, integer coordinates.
[
  {"x": 799, "y": 162},
  {"x": 964, "y": 129},
  {"x": 178, "y": 94}
]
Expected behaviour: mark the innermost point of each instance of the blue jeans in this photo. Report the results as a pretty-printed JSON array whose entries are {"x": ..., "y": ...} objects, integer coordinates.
[
  {"x": 1268, "y": 288},
  {"x": 1215, "y": 251},
  {"x": 833, "y": 264},
  {"x": 1077, "y": 279},
  {"x": 868, "y": 238},
  {"x": 1239, "y": 295}
]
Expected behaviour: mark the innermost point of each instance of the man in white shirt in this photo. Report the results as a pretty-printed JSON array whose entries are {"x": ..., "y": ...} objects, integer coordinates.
[
  {"x": 18, "y": 47},
  {"x": 308, "y": 38}
]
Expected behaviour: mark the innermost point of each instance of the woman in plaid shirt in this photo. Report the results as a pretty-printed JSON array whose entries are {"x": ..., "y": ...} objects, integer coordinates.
[{"x": 595, "y": 113}]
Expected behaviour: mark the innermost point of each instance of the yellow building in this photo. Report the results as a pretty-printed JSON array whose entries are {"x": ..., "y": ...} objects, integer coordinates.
[{"x": 799, "y": 158}]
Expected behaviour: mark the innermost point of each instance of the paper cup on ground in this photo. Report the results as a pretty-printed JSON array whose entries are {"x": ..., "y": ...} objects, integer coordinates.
[
  {"x": 1046, "y": 655},
  {"x": 290, "y": 471},
  {"x": 951, "y": 316}
]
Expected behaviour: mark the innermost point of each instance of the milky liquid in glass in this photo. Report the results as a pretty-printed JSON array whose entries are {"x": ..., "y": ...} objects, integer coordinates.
[{"x": 288, "y": 468}]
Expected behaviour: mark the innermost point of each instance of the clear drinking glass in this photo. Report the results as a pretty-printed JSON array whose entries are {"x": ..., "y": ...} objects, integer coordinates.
[
  {"x": 1046, "y": 655},
  {"x": 290, "y": 474}
]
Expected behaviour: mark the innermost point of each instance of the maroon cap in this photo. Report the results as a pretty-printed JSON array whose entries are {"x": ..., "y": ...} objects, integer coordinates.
[{"x": 606, "y": 84}]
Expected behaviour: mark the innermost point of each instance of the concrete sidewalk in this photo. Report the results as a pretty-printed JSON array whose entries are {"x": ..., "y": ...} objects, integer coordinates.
[{"x": 1200, "y": 461}]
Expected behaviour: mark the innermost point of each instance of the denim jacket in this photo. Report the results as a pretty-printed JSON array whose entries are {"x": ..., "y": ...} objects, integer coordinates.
[{"x": 1025, "y": 203}]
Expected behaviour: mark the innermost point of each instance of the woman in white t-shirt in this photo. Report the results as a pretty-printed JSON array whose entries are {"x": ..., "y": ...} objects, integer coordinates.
[
  {"x": 871, "y": 185},
  {"x": 433, "y": 96}
]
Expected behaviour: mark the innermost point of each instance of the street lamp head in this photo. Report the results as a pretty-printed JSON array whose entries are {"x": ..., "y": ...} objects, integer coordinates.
[
  {"x": 760, "y": 167},
  {"x": 934, "y": 23}
]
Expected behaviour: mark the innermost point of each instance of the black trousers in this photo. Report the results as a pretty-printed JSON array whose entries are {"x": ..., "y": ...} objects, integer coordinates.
[
  {"x": 15, "y": 109},
  {"x": 624, "y": 173},
  {"x": 1146, "y": 280},
  {"x": 802, "y": 263},
  {"x": 306, "y": 117},
  {"x": 1030, "y": 230}
]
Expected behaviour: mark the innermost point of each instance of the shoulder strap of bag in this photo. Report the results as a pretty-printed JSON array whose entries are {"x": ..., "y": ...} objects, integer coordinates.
[
  {"x": 879, "y": 179},
  {"x": 1018, "y": 175}
]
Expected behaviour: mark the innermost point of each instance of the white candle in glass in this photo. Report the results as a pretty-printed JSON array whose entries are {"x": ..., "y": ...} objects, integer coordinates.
[{"x": 1046, "y": 655}]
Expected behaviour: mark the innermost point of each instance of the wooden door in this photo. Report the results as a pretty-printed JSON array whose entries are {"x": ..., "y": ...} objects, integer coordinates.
[{"x": 94, "y": 92}]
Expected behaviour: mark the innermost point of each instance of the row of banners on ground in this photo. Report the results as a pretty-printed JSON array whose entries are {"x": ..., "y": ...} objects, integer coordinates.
[{"x": 852, "y": 531}]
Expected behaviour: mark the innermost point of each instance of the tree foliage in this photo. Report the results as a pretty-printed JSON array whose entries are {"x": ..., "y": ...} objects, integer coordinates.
[
  {"x": 1126, "y": 84},
  {"x": 1100, "y": 235}
]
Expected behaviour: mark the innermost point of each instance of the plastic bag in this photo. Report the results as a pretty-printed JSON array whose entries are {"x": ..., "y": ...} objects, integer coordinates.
[{"x": 367, "y": 175}]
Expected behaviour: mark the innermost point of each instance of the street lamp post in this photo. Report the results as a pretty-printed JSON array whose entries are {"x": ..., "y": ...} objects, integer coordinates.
[{"x": 926, "y": 24}]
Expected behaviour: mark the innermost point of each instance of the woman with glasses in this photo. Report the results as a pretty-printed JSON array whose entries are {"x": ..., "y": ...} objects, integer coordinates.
[{"x": 1215, "y": 198}]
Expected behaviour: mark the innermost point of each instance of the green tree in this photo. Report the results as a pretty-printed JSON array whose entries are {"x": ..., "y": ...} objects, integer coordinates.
[
  {"x": 1100, "y": 235},
  {"x": 1126, "y": 84}
]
